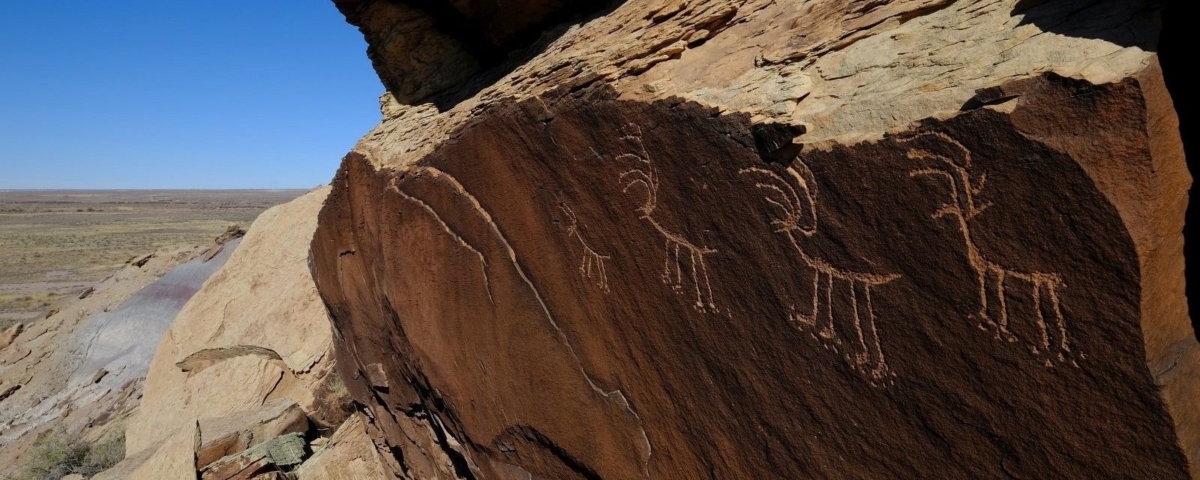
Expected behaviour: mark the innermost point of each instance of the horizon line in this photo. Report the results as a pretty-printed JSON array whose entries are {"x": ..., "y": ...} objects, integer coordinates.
[{"x": 74, "y": 189}]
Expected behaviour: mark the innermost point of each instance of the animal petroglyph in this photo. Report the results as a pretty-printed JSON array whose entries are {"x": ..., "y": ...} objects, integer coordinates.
[
  {"x": 818, "y": 315},
  {"x": 592, "y": 264},
  {"x": 993, "y": 278},
  {"x": 678, "y": 249}
]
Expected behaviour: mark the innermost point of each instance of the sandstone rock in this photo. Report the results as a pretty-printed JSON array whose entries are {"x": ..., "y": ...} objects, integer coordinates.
[
  {"x": 232, "y": 233},
  {"x": 174, "y": 458},
  {"x": 140, "y": 261},
  {"x": 10, "y": 335},
  {"x": 6, "y": 392},
  {"x": 349, "y": 454},
  {"x": 256, "y": 333},
  {"x": 279, "y": 452},
  {"x": 224, "y": 436},
  {"x": 717, "y": 239},
  {"x": 15, "y": 354}
]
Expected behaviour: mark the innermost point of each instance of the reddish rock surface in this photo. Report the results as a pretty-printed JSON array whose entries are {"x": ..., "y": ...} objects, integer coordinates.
[{"x": 715, "y": 259}]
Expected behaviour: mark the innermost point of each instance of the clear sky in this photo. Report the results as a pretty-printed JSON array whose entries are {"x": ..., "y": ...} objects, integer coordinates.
[{"x": 179, "y": 94}]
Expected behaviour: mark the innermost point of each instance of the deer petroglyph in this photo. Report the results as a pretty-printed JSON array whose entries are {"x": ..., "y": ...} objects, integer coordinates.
[
  {"x": 795, "y": 217},
  {"x": 678, "y": 249},
  {"x": 592, "y": 264},
  {"x": 992, "y": 278}
]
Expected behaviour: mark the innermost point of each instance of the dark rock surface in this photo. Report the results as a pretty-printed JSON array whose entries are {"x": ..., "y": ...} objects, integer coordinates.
[{"x": 597, "y": 279}]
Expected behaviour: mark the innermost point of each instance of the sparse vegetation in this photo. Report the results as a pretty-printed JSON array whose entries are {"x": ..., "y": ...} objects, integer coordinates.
[
  {"x": 54, "y": 243},
  {"x": 29, "y": 302},
  {"x": 56, "y": 455}
]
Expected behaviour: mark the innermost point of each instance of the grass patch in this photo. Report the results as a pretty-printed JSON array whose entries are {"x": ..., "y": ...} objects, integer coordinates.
[
  {"x": 28, "y": 302},
  {"x": 55, "y": 455}
]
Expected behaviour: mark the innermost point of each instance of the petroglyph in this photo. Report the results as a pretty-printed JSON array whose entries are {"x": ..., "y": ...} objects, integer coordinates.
[
  {"x": 817, "y": 316},
  {"x": 617, "y": 396},
  {"x": 592, "y": 264},
  {"x": 677, "y": 248},
  {"x": 992, "y": 278}
]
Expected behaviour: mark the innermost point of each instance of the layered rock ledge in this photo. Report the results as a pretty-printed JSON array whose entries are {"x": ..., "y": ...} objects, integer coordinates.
[{"x": 735, "y": 239}]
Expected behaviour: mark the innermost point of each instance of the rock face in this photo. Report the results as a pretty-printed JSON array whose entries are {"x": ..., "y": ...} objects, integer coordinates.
[{"x": 717, "y": 239}]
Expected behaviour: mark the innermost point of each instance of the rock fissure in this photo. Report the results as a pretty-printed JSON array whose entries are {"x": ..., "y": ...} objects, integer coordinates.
[{"x": 512, "y": 257}]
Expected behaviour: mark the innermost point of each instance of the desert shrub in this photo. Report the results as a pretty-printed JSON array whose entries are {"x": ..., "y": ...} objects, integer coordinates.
[
  {"x": 103, "y": 456},
  {"x": 55, "y": 455}
]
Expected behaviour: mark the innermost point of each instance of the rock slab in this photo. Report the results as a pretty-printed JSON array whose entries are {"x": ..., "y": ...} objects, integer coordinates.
[{"x": 832, "y": 239}]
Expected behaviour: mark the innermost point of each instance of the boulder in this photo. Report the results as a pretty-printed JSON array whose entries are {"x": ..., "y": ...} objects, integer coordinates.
[
  {"x": 224, "y": 436},
  {"x": 272, "y": 455},
  {"x": 350, "y": 453},
  {"x": 256, "y": 333},
  {"x": 719, "y": 239}
]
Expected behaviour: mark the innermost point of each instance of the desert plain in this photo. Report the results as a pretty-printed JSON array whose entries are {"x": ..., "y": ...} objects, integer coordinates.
[{"x": 56, "y": 243}]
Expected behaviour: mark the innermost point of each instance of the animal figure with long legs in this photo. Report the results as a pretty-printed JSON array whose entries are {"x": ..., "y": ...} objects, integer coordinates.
[
  {"x": 992, "y": 278},
  {"x": 796, "y": 219},
  {"x": 678, "y": 249}
]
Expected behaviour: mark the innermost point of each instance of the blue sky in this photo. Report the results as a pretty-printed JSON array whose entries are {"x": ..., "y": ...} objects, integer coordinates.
[{"x": 154, "y": 94}]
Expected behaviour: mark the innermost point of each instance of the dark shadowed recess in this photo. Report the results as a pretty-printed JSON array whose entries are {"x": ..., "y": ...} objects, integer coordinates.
[
  {"x": 501, "y": 36},
  {"x": 1122, "y": 22},
  {"x": 1067, "y": 17},
  {"x": 526, "y": 45},
  {"x": 1172, "y": 53}
]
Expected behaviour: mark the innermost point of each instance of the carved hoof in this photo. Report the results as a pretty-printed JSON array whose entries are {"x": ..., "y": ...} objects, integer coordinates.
[
  {"x": 984, "y": 322},
  {"x": 801, "y": 321}
]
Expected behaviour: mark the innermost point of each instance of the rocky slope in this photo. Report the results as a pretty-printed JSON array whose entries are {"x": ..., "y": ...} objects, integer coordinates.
[
  {"x": 736, "y": 239},
  {"x": 79, "y": 372},
  {"x": 242, "y": 385}
]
